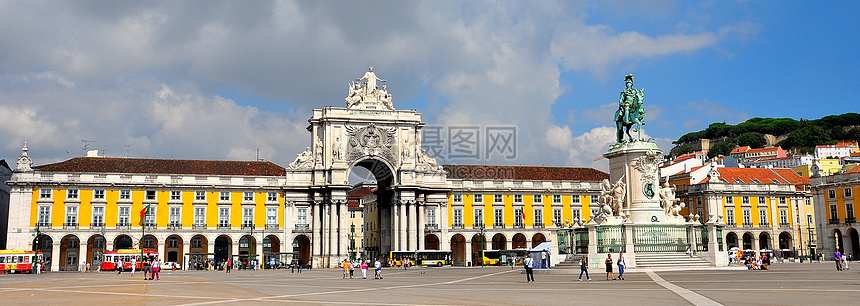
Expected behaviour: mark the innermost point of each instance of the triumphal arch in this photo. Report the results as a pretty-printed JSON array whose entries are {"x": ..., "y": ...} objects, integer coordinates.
[{"x": 370, "y": 133}]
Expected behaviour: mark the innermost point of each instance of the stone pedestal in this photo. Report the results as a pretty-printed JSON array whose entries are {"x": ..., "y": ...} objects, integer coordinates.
[{"x": 636, "y": 165}]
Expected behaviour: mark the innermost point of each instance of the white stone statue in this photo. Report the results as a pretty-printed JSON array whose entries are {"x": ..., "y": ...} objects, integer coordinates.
[
  {"x": 612, "y": 197},
  {"x": 385, "y": 98},
  {"x": 667, "y": 197},
  {"x": 337, "y": 153},
  {"x": 304, "y": 160},
  {"x": 371, "y": 78},
  {"x": 318, "y": 149}
]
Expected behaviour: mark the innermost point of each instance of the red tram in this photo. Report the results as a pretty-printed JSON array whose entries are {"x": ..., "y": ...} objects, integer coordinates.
[
  {"x": 17, "y": 261},
  {"x": 111, "y": 258}
]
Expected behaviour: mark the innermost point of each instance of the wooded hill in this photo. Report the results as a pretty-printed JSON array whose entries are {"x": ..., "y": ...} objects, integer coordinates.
[{"x": 797, "y": 136}]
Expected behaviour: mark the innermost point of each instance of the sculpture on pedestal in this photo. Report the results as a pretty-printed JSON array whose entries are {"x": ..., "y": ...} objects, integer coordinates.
[
  {"x": 365, "y": 94},
  {"x": 612, "y": 199},
  {"x": 631, "y": 110}
]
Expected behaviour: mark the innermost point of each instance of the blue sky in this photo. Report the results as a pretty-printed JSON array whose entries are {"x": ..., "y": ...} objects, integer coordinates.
[{"x": 218, "y": 80}]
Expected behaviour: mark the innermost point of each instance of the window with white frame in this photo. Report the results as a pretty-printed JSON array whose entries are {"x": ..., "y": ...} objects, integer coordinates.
[
  {"x": 574, "y": 199},
  {"x": 352, "y": 214},
  {"x": 518, "y": 217},
  {"x": 224, "y": 196},
  {"x": 730, "y": 200},
  {"x": 458, "y": 217},
  {"x": 762, "y": 217},
  {"x": 783, "y": 217},
  {"x": 272, "y": 197},
  {"x": 747, "y": 217},
  {"x": 458, "y": 198},
  {"x": 518, "y": 198},
  {"x": 150, "y": 195},
  {"x": 847, "y": 192},
  {"x": 174, "y": 215},
  {"x": 431, "y": 216},
  {"x": 809, "y": 219},
  {"x": 248, "y": 196},
  {"x": 98, "y": 216},
  {"x": 200, "y": 195},
  {"x": 247, "y": 216},
  {"x": 594, "y": 211},
  {"x": 124, "y": 216},
  {"x": 782, "y": 200},
  {"x": 498, "y": 217},
  {"x": 302, "y": 216},
  {"x": 149, "y": 218},
  {"x": 808, "y": 202},
  {"x": 44, "y": 193},
  {"x": 537, "y": 198},
  {"x": 125, "y": 194},
  {"x": 745, "y": 200},
  {"x": 175, "y": 195},
  {"x": 99, "y": 194},
  {"x": 556, "y": 216},
  {"x": 556, "y": 198},
  {"x": 497, "y": 198},
  {"x": 72, "y": 194},
  {"x": 834, "y": 215},
  {"x": 538, "y": 216},
  {"x": 761, "y": 200},
  {"x": 576, "y": 213},
  {"x": 271, "y": 216},
  {"x": 223, "y": 216},
  {"x": 831, "y": 193},
  {"x": 44, "y": 215},
  {"x": 849, "y": 209},
  {"x": 730, "y": 217},
  {"x": 479, "y": 217},
  {"x": 72, "y": 215},
  {"x": 199, "y": 216},
  {"x": 478, "y": 198}
]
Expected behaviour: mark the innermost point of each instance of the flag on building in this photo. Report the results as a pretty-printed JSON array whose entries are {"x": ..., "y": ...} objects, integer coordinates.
[{"x": 144, "y": 211}]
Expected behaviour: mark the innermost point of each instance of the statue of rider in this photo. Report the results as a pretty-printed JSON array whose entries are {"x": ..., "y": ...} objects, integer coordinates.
[{"x": 630, "y": 108}]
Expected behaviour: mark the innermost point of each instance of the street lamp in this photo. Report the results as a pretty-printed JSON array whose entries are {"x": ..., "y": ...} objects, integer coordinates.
[
  {"x": 36, "y": 248},
  {"x": 483, "y": 241},
  {"x": 352, "y": 242}
]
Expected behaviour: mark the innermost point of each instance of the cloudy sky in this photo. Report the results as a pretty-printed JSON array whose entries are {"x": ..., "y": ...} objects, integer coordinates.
[{"x": 221, "y": 79}]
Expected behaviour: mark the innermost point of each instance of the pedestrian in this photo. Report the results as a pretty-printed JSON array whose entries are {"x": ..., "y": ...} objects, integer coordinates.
[
  {"x": 527, "y": 263},
  {"x": 608, "y": 263},
  {"x": 229, "y": 265},
  {"x": 300, "y": 265},
  {"x": 838, "y": 258},
  {"x": 345, "y": 265},
  {"x": 147, "y": 268},
  {"x": 351, "y": 268},
  {"x": 378, "y": 267},
  {"x": 38, "y": 267},
  {"x": 119, "y": 267},
  {"x": 845, "y": 261},
  {"x": 293, "y": 266},
  {"x": 621, "y": 265},
  {"x": 583, "y": 268},
  {"x": 364, "y": 269},
  {"x": 156, "y": 267},
  {"x": 543, "y": 263},
  {"x": 133, "y": 262}
]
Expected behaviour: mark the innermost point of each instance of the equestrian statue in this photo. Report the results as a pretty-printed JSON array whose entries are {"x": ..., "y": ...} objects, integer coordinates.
[{"x": 631, "y": 110}]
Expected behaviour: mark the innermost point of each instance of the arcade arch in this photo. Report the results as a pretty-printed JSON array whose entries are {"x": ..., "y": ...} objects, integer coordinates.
[
  {"x": 458, "y": 249},
  {"x": 123, "y": 242},
  {"x": 95, "y": 249},
  {"x": 764, "y": 241},
  {"x": 519, "y": 241},
  {"x": 500, "y": 242},
  {"x": 70, "y": 252},
  {"x": 431, "y": 242}
]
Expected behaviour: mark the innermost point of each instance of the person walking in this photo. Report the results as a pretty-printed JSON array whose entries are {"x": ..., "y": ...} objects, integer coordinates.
[
  {"x": 229, "y": 265},
  {"x": 351, "y": 268},
  {"x": 345, "y": 265},
  {"x": 583, "y": 268},
  {"x": 364, "y": 269},
  {"x": 147, "y": 268},
  {"x": 845, "y": 260},
  {"x": 608, "y": 263},
  {"x": 378, "y": 267},
  {"x": 119, "y": 267},
  {"x": 838, "y": 258},
  {"x": 156, "y": 267},
  {"x": 133, "y": 266},
  {"x": 621, "y": 265},
  {"x": 528, "y": 264}
]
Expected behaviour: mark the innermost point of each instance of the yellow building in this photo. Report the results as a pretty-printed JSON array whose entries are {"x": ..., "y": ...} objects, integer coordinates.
[
  {"x": 827, "y": 166},
  {"x": 198, "y": 210},
  {"x": 835, "y": 200}
]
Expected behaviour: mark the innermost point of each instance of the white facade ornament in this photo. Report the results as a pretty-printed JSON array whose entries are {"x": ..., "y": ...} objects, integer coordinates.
[
  {"x": 713, "y": 174},
  {"x": 647, "y": 165},
  {"x": 336, "y": 151},
  {"x": 612, "y": 198},
  {"x": 667, "y": 197},
  {"x": 364, "y": 93},
  {"x": 371, "y": 140},
  {"x": 426, "y": 163},
  {"x": 304, "y": 161},
  {"x": 24, "y": 161}
]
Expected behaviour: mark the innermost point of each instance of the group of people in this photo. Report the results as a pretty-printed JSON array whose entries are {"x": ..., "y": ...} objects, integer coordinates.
[
  {"x": 350, "y": 266},
  {"x": 529, "y": 265},
  {"x": 841, "y": 260},
  {"x": 757, "y": 262},
  {"x": 151, "y": 267}
]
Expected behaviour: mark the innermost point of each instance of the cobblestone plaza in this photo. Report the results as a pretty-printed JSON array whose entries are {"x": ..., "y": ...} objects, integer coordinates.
[{"x": 784, "y": 284}]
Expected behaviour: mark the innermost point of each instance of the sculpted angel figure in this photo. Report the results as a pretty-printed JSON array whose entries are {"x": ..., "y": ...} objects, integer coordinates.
[{"x": 667, "y": 197}]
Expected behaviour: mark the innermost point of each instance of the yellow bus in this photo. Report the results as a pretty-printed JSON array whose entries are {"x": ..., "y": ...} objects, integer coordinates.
[
  {"x": 504, "y": 257},
  {"x": 422, "y": 257},
  {"x": 398, "y": 257}
]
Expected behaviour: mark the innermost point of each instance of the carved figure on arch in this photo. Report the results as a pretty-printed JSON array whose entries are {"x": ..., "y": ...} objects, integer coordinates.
[
  {"x": 612, "y": 197},
  {"x": 303, "y": 161}
]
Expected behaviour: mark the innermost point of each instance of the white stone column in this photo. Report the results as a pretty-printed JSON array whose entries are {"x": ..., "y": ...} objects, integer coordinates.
[
  {"x": 289, "y": 224},
  {"x": 235, "y": 249},
  {"x": 413, "y": 227},
  {"x": 258, "y": 252},
  {"x": 395, "y": 226},
  {"x": 210, "y": 247},
  {"x": 403, "y": 230},
  {"x": 468, "y": 250},
  {"x": 56, "y": 257},
  {"x": 422, "y": 221},
  {"x": 325, "y": 211},
  {"x": 343, "y": 236},
  {"x": 316, "y": 236},
  {"x": 186, "y": 250},
  {"x": 161, "y": 249}
]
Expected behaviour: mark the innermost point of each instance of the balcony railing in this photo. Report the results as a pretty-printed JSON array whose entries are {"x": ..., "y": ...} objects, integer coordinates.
[
  {"x": 271, "y": 226},
  {"x": 538, "y": 225},
  {"x": 850, "y": 220},
  {"x": 149, "y": 225},
  {"x": 247, "y": 226},
  {"x": 834, "y": 221},
  {"x": 519, "y": 225},
  {"x": 431, "y": 226},
  {"x": 499, "y": 225},
  {"x": 198, "y": 226},
  {"x": 303, "y": 228},
  {"x": 458, "y": 226},
  {"x": 477, "y": 225},
  {"x": 97, "y": 225},
  {"x": 747, "y": 224},
  {"x": 70, "y": 225},
  {"x": 123, "y": 226},
  {"x": 44, "y": 224},
  {"x": 223, "y": 226},
  {"x": 174, "y": 226}
]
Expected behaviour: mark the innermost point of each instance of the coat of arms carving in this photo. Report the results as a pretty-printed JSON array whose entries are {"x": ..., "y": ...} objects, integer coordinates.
[{"x": 371, "y": 141}]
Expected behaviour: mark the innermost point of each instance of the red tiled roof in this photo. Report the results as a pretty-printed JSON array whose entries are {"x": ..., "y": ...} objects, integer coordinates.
[
  {"x": 740, "y": 150},
  {"x": 472, "y": 172},
  {"x": 854, "y": 170},
  {"x": 747, "y": 175},
  {"x": 165, "y": 166},
  {"x": 791, "y": 176}
]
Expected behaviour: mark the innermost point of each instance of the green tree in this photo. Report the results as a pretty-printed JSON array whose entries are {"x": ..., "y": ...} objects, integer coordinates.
[
  {"x": 682, "y": 149},
  {"x": 752, "y": 139},
  {"x": 723, "y": 148}
]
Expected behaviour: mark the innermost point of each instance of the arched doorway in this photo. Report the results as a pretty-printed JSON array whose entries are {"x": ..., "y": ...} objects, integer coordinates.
[
  {"x": 837, "y": 240},
  {"x": 537, "y": 239},
  {"x": 855, "y": 242},
  {"x": 764, "y": 241},
  {"x": 431, "y": 242},
  {"x": 732, "y": 241},
  {"x": 519, "y": 241},
  {"x": 198, "y": 249},
  {"x": 478, "y": 245},
  {"x": 500, "y": 242},
  {"x": 748, "y": 241},
  {"x": 302, "y": 249},
  {"x": 45, "y": 245},
  {"x": 458, "y": 248},
  {"x": 271, "y": 250},
  {"x": 247, "y": 250},
  {"x": 95, "y": 249},
  {"x": 223, "y": 244},
  {"x": 173, "y": 249},
  {"x": 70, "y": 252},
  {"x": 385, "y": 232},
  {"x": 785, "y": 241},
  {"x": 150, "y": 243},
  {"x": 122, "y": 242}
]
